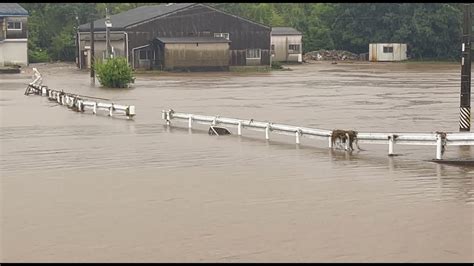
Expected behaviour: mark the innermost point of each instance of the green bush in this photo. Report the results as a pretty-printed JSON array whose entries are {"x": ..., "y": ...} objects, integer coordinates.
[
  {"x": 114, "y": 72},
  {"x": 276, "y": 65},
  {"x": 38, "y": 56}
]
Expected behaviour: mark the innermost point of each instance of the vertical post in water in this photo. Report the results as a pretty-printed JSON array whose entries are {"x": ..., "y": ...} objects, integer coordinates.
[
  {"x": 239, "y": 128},
  {"x": 267, "y": 132},
  {"x": 391, "y": 143},
  {"x": 465, "y": 103},
  {"x": 92, "y": 52},
  {"x": 439, "y": 147}
]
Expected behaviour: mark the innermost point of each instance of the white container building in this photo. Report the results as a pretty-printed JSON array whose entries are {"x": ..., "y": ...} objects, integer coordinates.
[{"x": 381, "y": 52}]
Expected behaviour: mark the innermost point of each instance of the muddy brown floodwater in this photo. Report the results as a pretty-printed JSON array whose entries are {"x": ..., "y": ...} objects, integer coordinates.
[{"x": 84, "y": 188}]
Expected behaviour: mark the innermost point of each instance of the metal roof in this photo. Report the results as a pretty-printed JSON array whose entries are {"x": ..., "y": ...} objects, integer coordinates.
[
  {"x": 285, "y": 31},
  {"x": 192, "y": 40},
  {"x": 12, "y": 9},
  {"x": 136, "y": 15}
]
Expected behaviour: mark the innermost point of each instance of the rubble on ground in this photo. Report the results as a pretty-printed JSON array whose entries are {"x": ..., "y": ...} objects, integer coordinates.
[{"x": 334, "y": 55}]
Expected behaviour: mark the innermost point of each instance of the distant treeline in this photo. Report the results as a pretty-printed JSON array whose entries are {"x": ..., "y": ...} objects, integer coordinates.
[{"x": 432, "y": 30}]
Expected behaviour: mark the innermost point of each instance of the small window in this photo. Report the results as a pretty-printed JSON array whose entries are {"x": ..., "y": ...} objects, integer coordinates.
[
  {"x": 387, "y": 49},
  {"x": 222, "y": 35},
  {"x": 294, "y": 48},
  {"x": 14, "y": 25},
  {"x": 145, "y": 55},
  {"x": 253, "y": 53}
]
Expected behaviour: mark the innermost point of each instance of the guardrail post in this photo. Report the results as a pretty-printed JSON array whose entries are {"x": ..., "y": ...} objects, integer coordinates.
[
  {"x": 111, "y": 109},
  {"x": 94, "y": 108},
  {"x": 239, "y": 128},
  {"x": 130, "y": 111},
  {"x": 267, "y": 132},
  {"x": 439, "y": 147},
  {"x": 391, "y": 144},
  {"x": 347, "y": 142},
  {"x": 297, "y": 134},
  {"x": 168, "y": 118},
  {"x": 190, "y": 122}
]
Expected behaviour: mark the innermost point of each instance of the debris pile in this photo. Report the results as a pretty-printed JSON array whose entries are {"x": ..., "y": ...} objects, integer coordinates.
[{"x": 334, "y": 55}]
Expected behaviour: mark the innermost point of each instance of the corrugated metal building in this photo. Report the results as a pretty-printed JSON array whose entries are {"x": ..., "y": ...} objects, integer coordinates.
[
  {"x": 287, "y": 45},
  {"x": 142, "y": 29},
  {"x": 13, "y": 34},
  {"x": 387, "y": 52}
]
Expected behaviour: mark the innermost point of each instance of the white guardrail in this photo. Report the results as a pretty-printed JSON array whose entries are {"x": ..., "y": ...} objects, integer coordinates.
[
  {"x": 76, "y": 102},
  {"x": 343, "y": 139}
]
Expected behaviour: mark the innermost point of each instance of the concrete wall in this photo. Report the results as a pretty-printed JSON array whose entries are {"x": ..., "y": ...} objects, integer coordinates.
[
  {"x": 376, "y": 52},
  {"x": 14, "y": 52},
  {"x": 191, "y": 55},
  {"x": 281, "y": 43}
]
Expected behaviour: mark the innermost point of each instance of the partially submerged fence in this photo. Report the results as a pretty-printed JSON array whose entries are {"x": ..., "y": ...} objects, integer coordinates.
[
  {"x": 342, "y": 139},
  {"x": 79, "y": 103}
]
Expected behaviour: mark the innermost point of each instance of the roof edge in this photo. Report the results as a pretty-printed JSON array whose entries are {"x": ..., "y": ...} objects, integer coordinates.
[
  {"x": 159, "y": 16},
  {"x": 230, "y": 14}
]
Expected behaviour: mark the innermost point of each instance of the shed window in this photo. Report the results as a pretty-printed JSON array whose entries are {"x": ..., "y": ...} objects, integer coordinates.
[
  {"x": 14, "y": 25},
  {"x": 145, "y": 55},
  {"x": 387, "y": 49},
  {"x": 294, "y": 48},
  {"x": 222, "y": 35},
  {"x": 253, "y": 54}
]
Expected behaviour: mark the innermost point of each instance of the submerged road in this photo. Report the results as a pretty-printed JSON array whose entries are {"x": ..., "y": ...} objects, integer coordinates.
[{"x": 84, "y": 188}]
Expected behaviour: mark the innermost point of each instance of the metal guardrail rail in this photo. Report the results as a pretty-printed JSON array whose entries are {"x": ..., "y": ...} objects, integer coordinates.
[
  {"x": 76, "y": 102},
  {"x": 343, "y": 139}
]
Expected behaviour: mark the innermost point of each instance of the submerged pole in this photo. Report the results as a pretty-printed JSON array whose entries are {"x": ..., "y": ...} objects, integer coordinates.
[
  {"x": 465, "y": 103},
  {"x": 92, "y": 52}
]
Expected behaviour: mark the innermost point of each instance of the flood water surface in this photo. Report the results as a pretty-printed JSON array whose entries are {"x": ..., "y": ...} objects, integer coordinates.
[{"x": 82, "y": 188}]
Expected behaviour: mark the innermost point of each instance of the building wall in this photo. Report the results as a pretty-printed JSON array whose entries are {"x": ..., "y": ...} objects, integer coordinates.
[
  {"x": 14, "y": 52},
  {"x": 281, "y": 43},
  {"x": 203, "y": 21},
  {"x": 17, "y": 34},
  {"x": 2, "y": 59},
  {"x": 376, "y": 52},
  {"x": 190, "y": 55},
  {"x": 3, "y": 29},
  {"x": 117, "y": 41}
]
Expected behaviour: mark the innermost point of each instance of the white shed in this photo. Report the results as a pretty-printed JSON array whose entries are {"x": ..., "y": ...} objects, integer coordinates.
[
  {"x": 286, "y": 45},
  {"x": 387, "y": 52}
]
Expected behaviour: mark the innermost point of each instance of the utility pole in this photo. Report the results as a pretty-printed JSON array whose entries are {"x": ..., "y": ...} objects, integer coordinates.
[
  {"x": 107, "y": 33},
  {"x": 92, "y": 52},
  {"x": 465, "y": 103}
]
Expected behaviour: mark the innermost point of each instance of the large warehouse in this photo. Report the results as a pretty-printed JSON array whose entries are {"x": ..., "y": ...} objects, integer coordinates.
[{"x": 179, "y": 36}]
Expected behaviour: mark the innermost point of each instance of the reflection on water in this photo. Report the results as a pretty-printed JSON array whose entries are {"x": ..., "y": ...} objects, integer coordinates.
[{"x": 79, "y": 187}]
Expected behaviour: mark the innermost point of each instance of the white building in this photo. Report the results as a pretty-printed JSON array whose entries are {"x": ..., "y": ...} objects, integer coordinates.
[
  {"x": 286, "y": 45},
  {"x": 13, "y": 35},
  {"x": 387, "y": 52}
]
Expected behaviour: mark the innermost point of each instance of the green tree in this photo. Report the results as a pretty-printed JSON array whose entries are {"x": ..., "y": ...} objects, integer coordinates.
[{"x": 114, "y": 72}]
